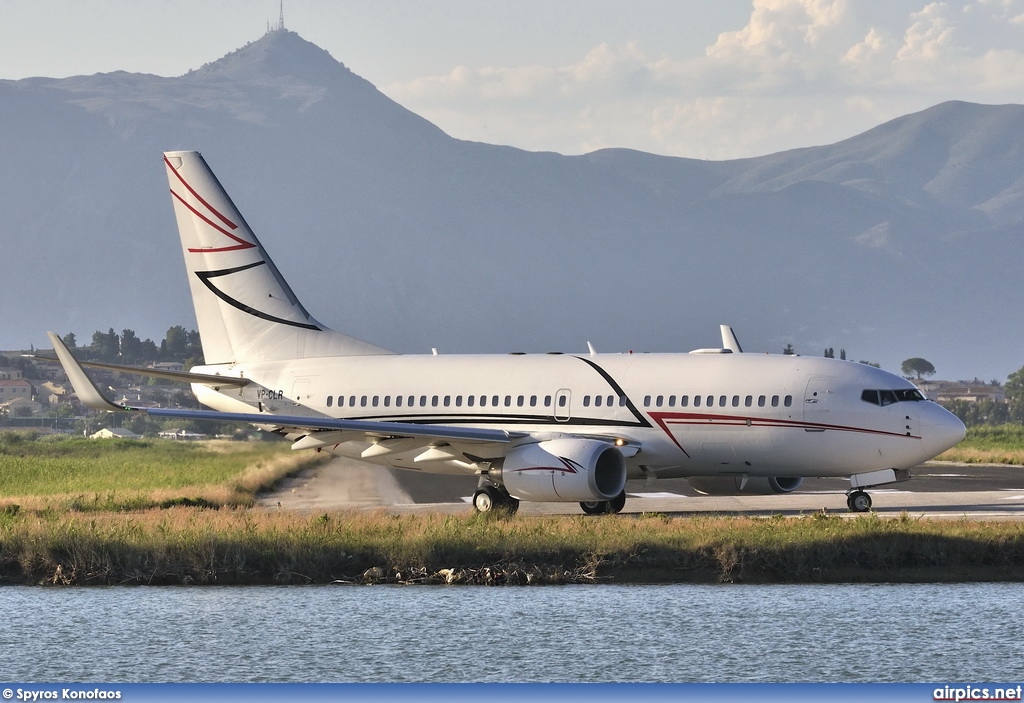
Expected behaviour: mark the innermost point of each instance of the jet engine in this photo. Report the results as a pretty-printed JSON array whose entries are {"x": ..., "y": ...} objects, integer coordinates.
[
  {"x": 743, "y": 485},
  {"x": 566, "y": 469}
]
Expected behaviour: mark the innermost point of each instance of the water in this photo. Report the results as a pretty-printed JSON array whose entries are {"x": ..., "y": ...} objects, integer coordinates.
[{"x": 672, "y": 633}]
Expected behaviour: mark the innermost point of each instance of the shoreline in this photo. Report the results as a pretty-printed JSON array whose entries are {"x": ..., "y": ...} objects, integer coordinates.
[{"x": 194, "y": 546}]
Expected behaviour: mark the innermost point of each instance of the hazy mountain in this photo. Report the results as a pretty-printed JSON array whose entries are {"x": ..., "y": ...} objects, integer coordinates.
[{"x": 903, "y": 241}]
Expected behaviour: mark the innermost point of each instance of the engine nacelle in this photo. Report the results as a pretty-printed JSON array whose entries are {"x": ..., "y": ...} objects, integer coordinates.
[
  {"x": 565, "y": 469},
  {"x": 743, "y": 485}
]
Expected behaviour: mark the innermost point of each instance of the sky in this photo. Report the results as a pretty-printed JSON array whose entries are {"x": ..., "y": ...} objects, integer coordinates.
[{"x": 707, "y": 79}]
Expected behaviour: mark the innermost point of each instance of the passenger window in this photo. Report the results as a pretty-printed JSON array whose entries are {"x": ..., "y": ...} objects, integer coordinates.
[
  {"x": 398, "y": 401},
  {"x": 709, "y": 401},
  {"x": 760, "y": 401},
  {"x": 470, "y": 399},
  {"x": 721, "y": 401},
  {"x": 696, "y": 401},
  {"x": 533, "y": 401},
  {"x": 684, "y": 400},
  {"x": 508, "y": 401},
  {"x": 562, "y": 400},
  {"x": 659, "y": 400},
  {"x": 330, "y": 400},
  {"x": 387, "y": 401},
  {"x": 433, "y": 401},
  {"x": 547, "y": 401},
  {"x": 735, "y": 401},
  {"x": 622, "y": 401},
  {"x": 423, "y": 401},
  {"x": 611, "y": 399},
  {"x": 597, "y": 401},
  {"x": 789, "y": 401},
  {"x": 494, "y": 400},
  {"x": 362, "y": 402},
  {"x": 520, "y": 401},
  {"x": 483, "y": 401},
  {"x": 586, "y": 401},
  {"x": 647, "y": 401},
  {"x": 458, "y": 401},
  {"x": 775, "y": 401},
  {"x": 748, "y": 401}
]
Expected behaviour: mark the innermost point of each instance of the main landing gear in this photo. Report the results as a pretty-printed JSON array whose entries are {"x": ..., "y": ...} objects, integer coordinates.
[
  {"x": 603, "y": 507},
  {"x": 493, "y": 498}
]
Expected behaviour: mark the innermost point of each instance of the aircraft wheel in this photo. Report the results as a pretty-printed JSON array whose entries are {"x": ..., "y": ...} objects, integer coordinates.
[
  {"x": 486, "y": 499},
  {"x": 595, "y": 507},
  {"x": 859, "y": 502},
  {"x": 509, "y": 505},
  {"x": 616, "y": 504}
]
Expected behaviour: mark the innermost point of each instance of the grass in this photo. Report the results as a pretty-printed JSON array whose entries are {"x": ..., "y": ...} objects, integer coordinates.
[
  {"x": 186, "y": 546},
  {"x": 82, "y": 474},
  {"x": 1000, "y": 444},
  {"x": 89, "y": 512}
]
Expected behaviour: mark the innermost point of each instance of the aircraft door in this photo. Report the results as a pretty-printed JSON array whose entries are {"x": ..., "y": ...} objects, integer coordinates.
[
  {"x": 817, "y": 399},
  {"x": 563, "y": 401}
]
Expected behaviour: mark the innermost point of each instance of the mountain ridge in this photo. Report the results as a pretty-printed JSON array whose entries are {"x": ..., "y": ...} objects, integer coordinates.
[{"x": 902, "y": 241}]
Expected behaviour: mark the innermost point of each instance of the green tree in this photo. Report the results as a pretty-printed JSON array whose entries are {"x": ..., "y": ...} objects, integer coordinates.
[
  {"x": 918, "y": 367},
  {"x": 1014, "y": 386},
  {"x": 69, "y": 340},
  {"x": 789, "y": 351},
  {"x": 106, "y": 346}
]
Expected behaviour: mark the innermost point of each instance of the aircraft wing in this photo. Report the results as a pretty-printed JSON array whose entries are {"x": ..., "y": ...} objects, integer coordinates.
[{"x": 92, "y": 396}]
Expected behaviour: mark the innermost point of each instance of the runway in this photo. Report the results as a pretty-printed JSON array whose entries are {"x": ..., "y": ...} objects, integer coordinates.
[{"x": 937, "y": 490}]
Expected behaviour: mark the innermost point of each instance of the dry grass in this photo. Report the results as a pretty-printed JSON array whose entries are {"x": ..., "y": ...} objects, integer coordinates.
[{"x": 186, "y": 545}]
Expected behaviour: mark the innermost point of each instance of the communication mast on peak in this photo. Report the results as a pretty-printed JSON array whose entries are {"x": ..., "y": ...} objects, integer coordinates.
[{"x": 280, "y": 22}]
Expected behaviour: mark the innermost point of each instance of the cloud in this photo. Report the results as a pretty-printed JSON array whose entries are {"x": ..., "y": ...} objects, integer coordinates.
[{"x": 799, "y": 72}]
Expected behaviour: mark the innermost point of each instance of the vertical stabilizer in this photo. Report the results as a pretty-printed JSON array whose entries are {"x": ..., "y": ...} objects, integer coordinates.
[{"x": 245, "y": 309}]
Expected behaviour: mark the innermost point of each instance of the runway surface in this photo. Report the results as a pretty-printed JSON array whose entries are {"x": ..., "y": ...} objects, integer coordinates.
[{"x": 937, "y": 490}]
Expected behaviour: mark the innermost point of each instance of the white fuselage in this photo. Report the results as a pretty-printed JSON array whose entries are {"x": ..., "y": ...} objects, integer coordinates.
[{"x": 689, "y": 414}]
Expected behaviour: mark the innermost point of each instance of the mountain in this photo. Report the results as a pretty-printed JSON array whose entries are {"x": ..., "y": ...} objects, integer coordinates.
[{"x": 900, "y": 242}]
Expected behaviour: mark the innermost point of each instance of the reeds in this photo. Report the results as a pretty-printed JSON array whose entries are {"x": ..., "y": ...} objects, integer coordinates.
[{"x": 196, "y": 546}]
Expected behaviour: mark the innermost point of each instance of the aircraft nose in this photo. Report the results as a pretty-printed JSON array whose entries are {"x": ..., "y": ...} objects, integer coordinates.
[{"x": 940, "y": 429}]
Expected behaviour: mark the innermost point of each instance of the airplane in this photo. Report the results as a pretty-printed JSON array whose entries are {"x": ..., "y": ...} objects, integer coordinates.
[{"x": 557, "y": 427}]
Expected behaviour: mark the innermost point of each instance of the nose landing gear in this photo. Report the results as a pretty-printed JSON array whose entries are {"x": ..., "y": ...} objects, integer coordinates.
[{"x": 858, "y": 501}]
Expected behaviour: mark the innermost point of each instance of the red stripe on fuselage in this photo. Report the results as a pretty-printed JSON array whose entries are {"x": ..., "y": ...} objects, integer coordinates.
[{"x": 663, "y": 420}]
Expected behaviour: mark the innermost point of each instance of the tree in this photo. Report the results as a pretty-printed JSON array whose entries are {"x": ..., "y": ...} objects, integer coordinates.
[
  {"x": 789, "y": 351},
  {"x": 1014, "y": 386},
  {"x": 830, "y": 353},
  {"x": 69, "y": 340},
  {"x": 106, "y": 347},
  {"x": 917, "y": 366}
]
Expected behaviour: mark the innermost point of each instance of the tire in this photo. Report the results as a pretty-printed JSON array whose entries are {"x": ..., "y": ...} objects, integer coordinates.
[
  {"x": 859, "y": 502},
  {"x": 486, "y": 499}
]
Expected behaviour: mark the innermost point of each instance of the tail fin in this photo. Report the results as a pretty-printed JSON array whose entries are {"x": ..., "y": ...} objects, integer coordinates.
[{"x": 245, "y": 309}]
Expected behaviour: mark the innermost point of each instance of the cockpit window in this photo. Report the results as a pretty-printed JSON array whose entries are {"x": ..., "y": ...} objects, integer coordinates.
[{"x": 888, "y": 397}]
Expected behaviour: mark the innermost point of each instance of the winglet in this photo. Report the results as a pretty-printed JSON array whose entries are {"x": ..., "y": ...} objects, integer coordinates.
[
  {"x": 729, "y": 340},
  {"x": 87, "y": 391}
]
